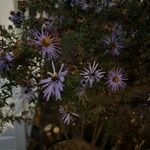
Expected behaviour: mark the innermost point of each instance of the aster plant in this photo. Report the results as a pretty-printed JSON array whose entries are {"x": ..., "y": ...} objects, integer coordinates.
[
  {"x": 114, "y": 44},
  {"x": 116, "y": 79},
  {"x": 53, "y": 85},
  {"x": 48, "y": 43},
  {"x": 91, "y": 74},
  {"x": 67, "y": 117},
  {"x": 97, "y": 102}
]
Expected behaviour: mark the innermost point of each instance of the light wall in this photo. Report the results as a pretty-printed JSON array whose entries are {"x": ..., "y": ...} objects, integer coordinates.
[{"x": 5, "y": 7}]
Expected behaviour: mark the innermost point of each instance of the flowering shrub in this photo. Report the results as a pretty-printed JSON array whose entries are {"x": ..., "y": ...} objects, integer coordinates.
[{"x": 101, "y": 48}]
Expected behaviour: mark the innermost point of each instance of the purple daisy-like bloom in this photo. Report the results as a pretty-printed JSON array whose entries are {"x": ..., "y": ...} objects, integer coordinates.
[
  {"x": 91, "y": 74},
  {"x": 5, "y": 61},
  {"x": 49, "y": 44},
  {"x": 16, "y": 18},
  {"x": 53, "y": 86},
  {"x": 116, "y": 79},
  {"x": 67, "y": 117},
  {"x": 114, "y": 44}
]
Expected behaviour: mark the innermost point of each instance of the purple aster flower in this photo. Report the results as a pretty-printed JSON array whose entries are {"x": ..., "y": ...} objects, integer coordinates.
[
  {"x": 16, "y": 18},
  {"x": 114, "y": 44},
  {"x": 5, "y": 61},
  {"x": 67, "y": 117},
  {"x": 91, "y": 74},
  {"x": 53, "y": 86},
  {"x": 48, "y": 42},
  {"x": 116, "y": 79}
]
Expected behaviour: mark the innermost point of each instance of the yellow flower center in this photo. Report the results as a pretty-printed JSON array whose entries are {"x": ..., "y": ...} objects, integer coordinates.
[
  {"x": 116, "y": 79},
  {"x": 46, "y": 41},
  {"x": 55, "y": 78}
]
